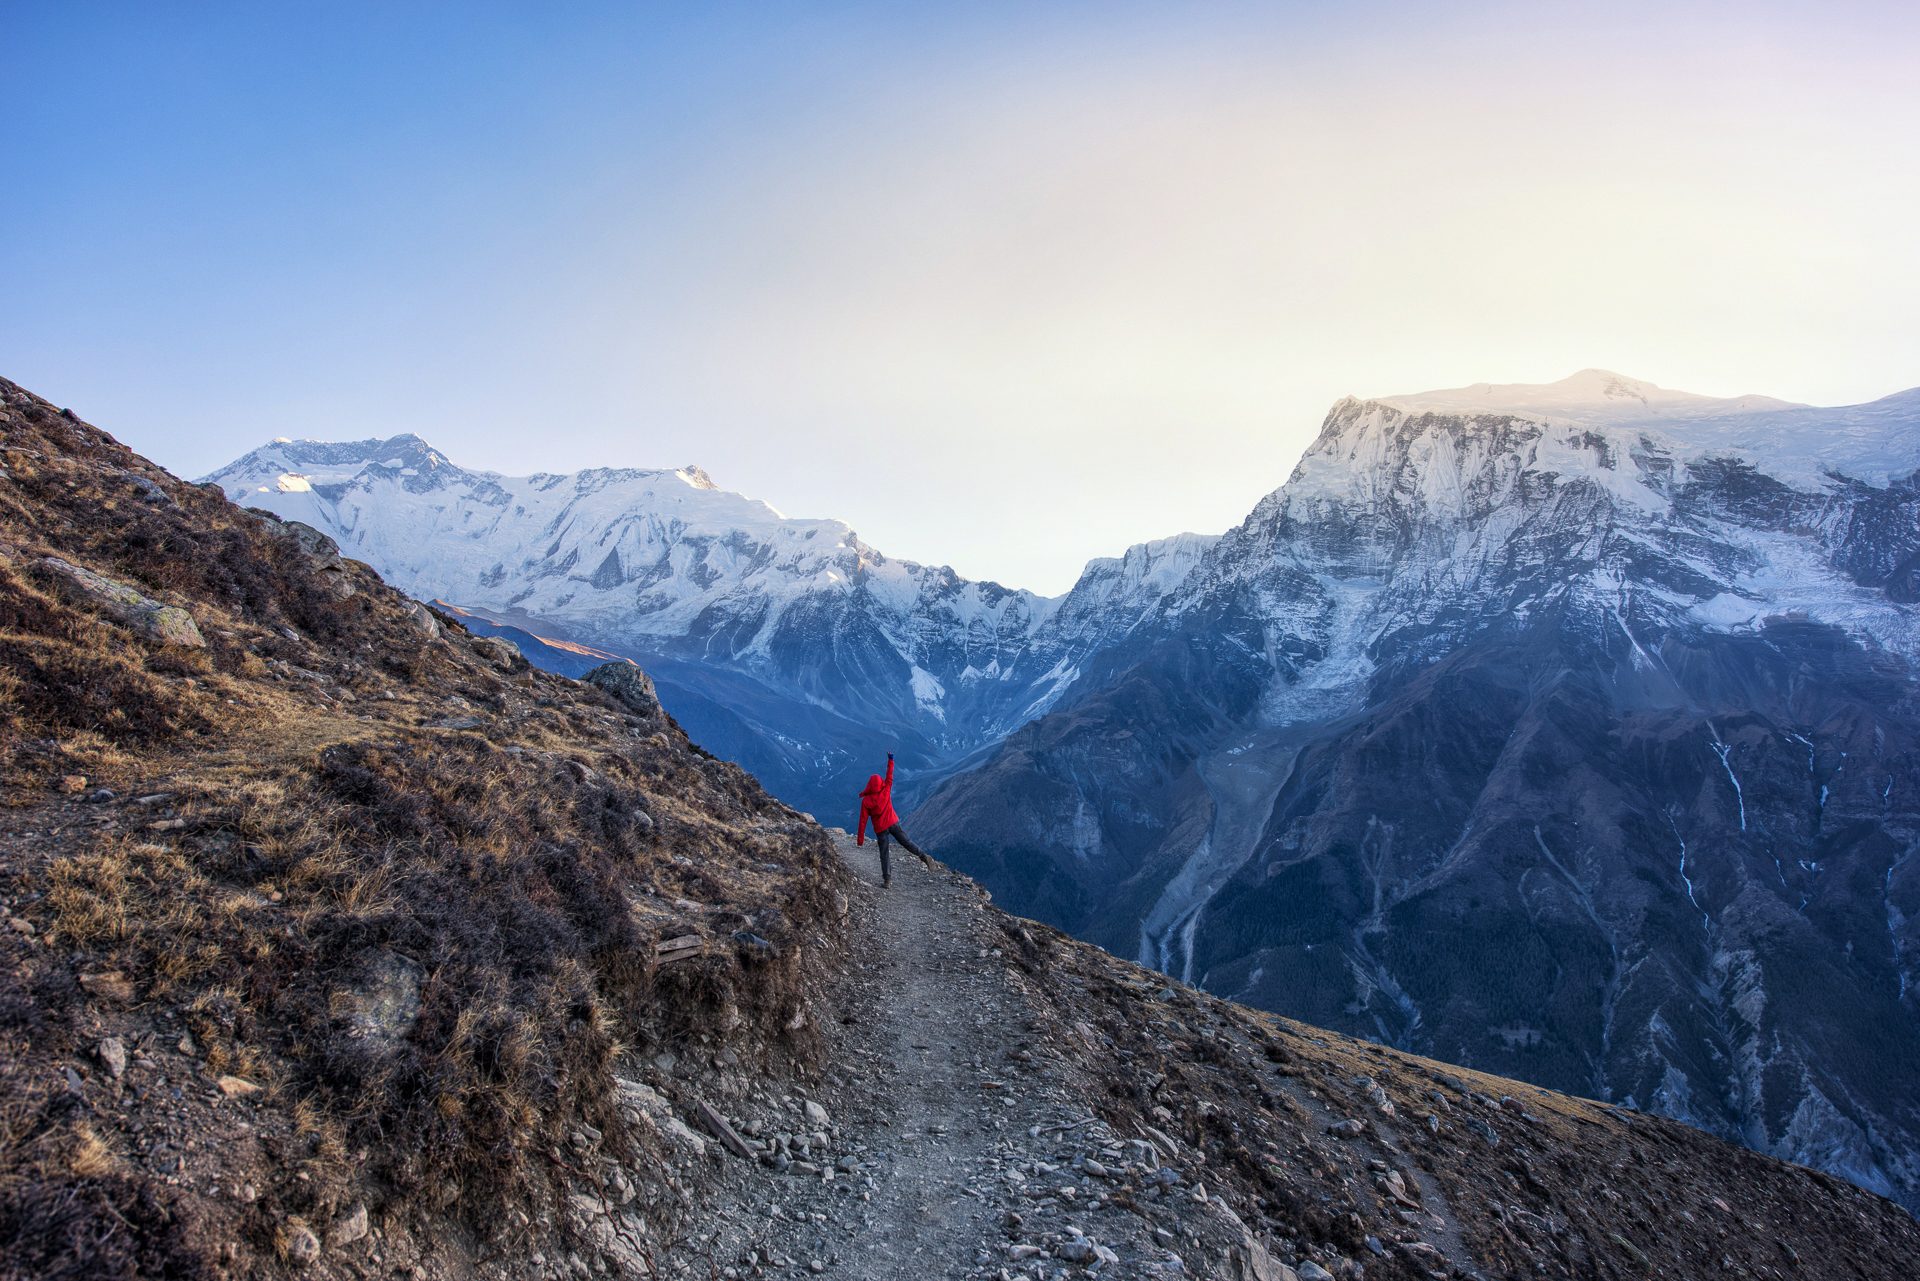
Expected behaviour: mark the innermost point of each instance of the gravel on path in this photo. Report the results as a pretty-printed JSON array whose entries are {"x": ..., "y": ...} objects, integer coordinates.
[{"x": 951, "y": 1111}]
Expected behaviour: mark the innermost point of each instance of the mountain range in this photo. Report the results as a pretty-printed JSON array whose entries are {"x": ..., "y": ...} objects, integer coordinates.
[
  {"x": 1563, "y": 731},
  {"x": 787, "y": 645}
]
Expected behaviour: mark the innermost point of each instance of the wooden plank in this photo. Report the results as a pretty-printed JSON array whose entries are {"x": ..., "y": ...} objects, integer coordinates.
[{"x": 718, "y": 1127}]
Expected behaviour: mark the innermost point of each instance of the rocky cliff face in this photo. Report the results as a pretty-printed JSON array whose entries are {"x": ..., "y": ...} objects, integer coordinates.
[{"x": 1567, "y": 731}]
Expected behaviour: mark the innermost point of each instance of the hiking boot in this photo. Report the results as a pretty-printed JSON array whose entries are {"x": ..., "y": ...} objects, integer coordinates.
[{"x": 885, "y": 881}]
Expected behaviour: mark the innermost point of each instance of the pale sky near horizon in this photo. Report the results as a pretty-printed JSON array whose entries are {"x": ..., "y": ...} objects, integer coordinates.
[{"x": 1004, "y": 286}]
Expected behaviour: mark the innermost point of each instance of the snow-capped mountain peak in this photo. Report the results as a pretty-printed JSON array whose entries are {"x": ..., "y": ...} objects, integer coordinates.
[
  {"x": 1620, "y": 675},
  {"x": 664, "y": 565},
  {"x": 284, "y": 465},
  {"x": 1622, "y": 433},
  {"x": 1591, "y": 397}
]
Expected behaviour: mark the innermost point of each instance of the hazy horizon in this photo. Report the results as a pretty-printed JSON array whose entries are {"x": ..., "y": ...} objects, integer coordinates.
[
  {"x": 1114, "y": 553},
  {"x": 1005, "y": 288}
]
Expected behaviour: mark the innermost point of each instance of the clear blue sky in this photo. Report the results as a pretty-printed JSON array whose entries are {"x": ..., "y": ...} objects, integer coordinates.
[{"x": 1005, "y": 286}]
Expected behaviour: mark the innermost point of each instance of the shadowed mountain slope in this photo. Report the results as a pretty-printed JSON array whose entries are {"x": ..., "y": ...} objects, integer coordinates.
[{"x": 1565, "y": 731}]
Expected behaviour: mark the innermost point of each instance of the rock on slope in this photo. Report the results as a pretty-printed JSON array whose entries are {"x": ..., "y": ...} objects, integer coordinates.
[{"x": 1564, "y": 731}]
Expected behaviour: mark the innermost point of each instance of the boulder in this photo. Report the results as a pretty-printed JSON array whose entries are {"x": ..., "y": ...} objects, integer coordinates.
[
  {"x": 150, "y": 491},
  {"x": 678, "y": 1131},
  {"x": 421, "y": 619},
  {"x": 499, "y": 651},
  {"x": 110, "y": 985},
  {"x": 162, "y": 624},
  {"x": 322, "y": 552},
  {"x": 323, "y": 556},
  {"x": 302, "y": 1247},
  {"x": 644, "y": 1097},
  {"x": 630, "y": 686},
  {"x": 381, "y": 1009},
  {"x": 349, "y": 1227}
]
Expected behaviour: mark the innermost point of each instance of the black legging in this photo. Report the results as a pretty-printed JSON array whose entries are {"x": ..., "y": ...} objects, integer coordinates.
[{"x": 898, "y": 833}]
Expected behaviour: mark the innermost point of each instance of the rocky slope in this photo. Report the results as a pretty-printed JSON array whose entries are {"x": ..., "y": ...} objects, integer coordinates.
[
  {"x": 339, "y": 943},
  {"x": 1565, "y": 731},
  {"x": 331, "y": 930},
  {"x": 1008, "y": 1102}
]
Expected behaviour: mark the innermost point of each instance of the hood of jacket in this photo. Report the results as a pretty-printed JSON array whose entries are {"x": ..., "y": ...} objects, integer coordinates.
[{"x": 875, "y": 786}]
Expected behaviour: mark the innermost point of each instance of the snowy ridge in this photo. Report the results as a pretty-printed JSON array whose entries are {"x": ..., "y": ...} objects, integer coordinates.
[
  {"x": 801, "y": 651},
  {"x": 1796, "y": 443},
  {"x": 1498, "y": 501},
  {"x": 628, "y": 553},
  {"x": 1115, "y": 596},
  {"x": 1589, "y": 398}
]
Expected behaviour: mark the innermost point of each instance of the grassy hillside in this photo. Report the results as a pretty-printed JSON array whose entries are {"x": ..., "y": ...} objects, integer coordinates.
[{"x": 360, "y": 907}]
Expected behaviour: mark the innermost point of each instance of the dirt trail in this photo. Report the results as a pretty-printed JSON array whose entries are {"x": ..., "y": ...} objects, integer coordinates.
[
  {"x": 964, "y": 1140},
  {"x": 923, "y": 1020},
  {"x": 949, "y": 1126},
  {"x": 971, "y": 1055},
  {"x": 935, "y": 1019}
]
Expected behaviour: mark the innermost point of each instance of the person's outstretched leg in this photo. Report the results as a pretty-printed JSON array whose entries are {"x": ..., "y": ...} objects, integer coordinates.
[
  {"x": 899, "y": 833},
  {"x": 886, "y": 865}
]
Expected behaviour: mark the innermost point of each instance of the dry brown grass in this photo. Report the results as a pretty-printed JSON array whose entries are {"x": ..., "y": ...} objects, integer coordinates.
[
  {"x": 88, "y": 1157},
  {"x": 302, "y": 844},
  {"x": 88, "y": 896}
]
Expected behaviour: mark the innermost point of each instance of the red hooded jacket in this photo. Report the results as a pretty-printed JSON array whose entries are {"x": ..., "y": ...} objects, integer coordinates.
[{"x": 876, "y": 805}]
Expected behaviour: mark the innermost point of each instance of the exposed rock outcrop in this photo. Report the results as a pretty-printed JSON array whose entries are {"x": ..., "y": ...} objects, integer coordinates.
[
  {"x": 322, "y": 554},
  {"x": 626, "y": 682},
  {"x": 157, "y": 622},
  {"x": 502, "y": 653}
]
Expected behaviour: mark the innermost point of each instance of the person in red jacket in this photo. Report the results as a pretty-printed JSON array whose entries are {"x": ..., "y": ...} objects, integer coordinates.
[{"x": 876, "y": 806}]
